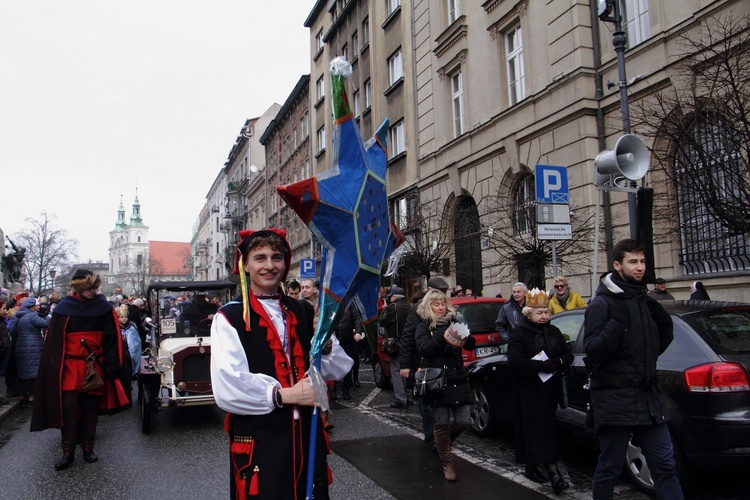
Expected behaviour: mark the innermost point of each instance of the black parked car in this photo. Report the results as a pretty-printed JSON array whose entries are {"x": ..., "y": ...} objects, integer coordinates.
[{"x": 704, "y": 374}]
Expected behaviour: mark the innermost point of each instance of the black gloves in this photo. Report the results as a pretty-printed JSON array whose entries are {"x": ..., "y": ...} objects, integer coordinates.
[{"x": 550, "y": 365}]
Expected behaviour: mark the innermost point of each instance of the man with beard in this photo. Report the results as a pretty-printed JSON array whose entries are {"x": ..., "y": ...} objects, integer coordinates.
[{"x": 625, "y": 333}]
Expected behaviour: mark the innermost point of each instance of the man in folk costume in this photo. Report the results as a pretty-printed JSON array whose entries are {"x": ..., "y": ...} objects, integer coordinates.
[
  {"x": 82, "y": 323},
  {"x": 259, "y": 356}
]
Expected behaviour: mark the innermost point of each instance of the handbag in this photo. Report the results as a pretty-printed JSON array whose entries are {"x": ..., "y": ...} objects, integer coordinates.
[
  {"x": 429, "y": 382},
  {"x": 92, "y": 380},
  {"x": 389, "y": 346}
]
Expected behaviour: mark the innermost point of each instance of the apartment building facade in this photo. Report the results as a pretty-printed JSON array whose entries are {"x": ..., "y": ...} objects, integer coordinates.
[
  {"x": 492, "y": 88},
  {"x": 288, "y": 151}
]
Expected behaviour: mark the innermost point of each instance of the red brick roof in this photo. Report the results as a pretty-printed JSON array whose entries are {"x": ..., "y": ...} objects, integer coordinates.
[{"x": 169, "y": 258}]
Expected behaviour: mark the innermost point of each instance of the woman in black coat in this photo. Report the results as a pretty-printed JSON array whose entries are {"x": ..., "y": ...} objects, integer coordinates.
[
  {"x": 699, "y": 292},
  {"x": 438, "y": 349},
  {"x": 538, "y": 356}
]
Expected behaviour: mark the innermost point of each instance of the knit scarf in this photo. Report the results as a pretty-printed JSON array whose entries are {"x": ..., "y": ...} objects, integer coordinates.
[{"x": 563, "y": 299}]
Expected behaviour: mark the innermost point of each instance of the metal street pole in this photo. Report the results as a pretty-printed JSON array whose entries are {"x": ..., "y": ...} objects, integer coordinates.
[{"x": 619, "y": 41}]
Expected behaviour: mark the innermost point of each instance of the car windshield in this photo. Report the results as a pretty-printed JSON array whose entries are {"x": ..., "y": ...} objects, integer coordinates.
[
  {"x": 188, "y": 313},
  {"x": 728, "y": 328},
  {"x": 480, "y": 316}
]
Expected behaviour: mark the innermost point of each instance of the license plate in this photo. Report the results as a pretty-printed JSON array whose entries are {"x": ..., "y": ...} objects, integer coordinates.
[{"x": 486, "y": 351}]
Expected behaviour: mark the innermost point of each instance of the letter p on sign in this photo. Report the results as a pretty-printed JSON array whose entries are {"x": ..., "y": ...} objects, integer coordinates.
[{"x": 552, "y": 182}]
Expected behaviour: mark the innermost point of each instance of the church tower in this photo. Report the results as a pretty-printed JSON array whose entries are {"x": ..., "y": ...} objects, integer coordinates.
[{"x": 128, "y": 249}]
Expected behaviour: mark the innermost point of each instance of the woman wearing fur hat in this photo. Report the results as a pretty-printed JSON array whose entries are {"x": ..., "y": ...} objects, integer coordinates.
[
  {"x": 82, "y": 323},
  {"x": 259, "y": 355},
  {"x": 538, "y": 356}
]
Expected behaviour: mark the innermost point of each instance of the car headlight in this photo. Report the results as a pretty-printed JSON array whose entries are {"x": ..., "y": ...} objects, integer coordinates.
[{"x": 164, "y": 364}]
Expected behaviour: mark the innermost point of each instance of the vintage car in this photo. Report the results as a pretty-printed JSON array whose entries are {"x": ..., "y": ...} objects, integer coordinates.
[{"x": 175, "y": 367}]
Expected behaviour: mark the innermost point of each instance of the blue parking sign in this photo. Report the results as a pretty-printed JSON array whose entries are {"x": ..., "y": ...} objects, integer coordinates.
[
  {"x": 307, "y": 268},
  {"x": 551, "y": 184}
]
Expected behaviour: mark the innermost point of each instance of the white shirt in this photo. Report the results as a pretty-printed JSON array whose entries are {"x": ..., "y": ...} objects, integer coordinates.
[{"x": 238, "y": 390}]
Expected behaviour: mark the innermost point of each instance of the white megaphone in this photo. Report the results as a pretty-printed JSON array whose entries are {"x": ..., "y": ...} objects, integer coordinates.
[{"x": 628, "y": 159}]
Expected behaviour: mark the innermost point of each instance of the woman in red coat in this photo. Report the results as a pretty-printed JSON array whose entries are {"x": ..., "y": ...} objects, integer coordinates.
[{"x": 82, "y": 323}]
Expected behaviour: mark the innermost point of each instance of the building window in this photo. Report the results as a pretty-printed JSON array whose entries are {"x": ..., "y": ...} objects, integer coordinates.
[
  {"x": 365, "y": 31},
  {"x": 514, "y": 58},
  {"x": 457, "y": 97},
  {"x": 391, "y": 6},
  {"x": 398, "y": 139},
  {"x": 368, "y": 94},
  {"x": 395, "y": 68},
  {"x": 524, "y": 205},
  {"x": 320, "y": 88},
  {"x": 454, "y": 10},
  {"x": 707, "y": 185},
  {"x": 319, "y": 41},
  {"x": 345, "y": 52},
  {"x": 355, "y": 97},
  {"x": 404, "y": 209},
  {"x": 355, "y": 43},
  {"x": 304, "y": 125},
  {"x": 635, "y": 15},
  {"x": 321, "y": 138}
]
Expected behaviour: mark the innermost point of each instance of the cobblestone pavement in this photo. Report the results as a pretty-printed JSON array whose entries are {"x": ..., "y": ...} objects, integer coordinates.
[{"x": 497, "y": 453}]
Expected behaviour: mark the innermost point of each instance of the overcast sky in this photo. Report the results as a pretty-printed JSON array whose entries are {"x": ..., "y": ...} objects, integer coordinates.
[{"x": 100, "y": 97}]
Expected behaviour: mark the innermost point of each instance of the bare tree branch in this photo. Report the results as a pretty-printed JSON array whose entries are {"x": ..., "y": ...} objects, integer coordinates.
[
  {"x": 47, "y": 247},
  {"x": 702, "y": 124}
]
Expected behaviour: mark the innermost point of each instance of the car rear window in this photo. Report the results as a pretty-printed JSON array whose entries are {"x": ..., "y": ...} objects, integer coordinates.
[
  {"x": 480, "y": 316},
  {"x": 728, "y": 328}
]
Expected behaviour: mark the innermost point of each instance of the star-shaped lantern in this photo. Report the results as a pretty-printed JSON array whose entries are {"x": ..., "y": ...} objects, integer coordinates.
[{"x": 346, "y": 208}]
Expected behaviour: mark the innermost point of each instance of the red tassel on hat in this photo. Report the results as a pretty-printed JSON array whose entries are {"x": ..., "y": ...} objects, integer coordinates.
[
  {"x": 254, "y": 482},
  {"x": 330, "y": 474}
]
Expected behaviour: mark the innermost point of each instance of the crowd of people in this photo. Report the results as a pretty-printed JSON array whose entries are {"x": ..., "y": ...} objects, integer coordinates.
[{"x": 260, "y": 345}]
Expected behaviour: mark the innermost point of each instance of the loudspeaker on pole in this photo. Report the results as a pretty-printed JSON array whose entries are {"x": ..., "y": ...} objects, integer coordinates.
[{"x": 628, "y": 159}]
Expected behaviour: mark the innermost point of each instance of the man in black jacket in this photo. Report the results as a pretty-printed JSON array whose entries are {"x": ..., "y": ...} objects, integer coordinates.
[
  {"x": 393, "y": 319},
  {"x": 625, "y": 333},
  {"x": 347, "y": 330},
  {"x": 511, "y": 314}
]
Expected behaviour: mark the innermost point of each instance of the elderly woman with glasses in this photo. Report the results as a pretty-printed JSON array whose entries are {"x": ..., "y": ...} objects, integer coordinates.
[{"x": 564, "y": 299}]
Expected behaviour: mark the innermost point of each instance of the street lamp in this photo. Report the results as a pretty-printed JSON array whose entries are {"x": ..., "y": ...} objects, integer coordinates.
[{"x": 52, "y": 275}]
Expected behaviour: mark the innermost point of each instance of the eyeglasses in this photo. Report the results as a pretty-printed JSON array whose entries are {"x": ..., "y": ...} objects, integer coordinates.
[{"x": 560, "y": 287}]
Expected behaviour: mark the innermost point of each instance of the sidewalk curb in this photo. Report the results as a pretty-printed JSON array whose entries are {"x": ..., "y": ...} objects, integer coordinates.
[{"x": 9, "y": 409}]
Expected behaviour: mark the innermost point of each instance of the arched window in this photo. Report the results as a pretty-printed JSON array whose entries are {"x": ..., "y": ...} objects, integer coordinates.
[
  {"x": 709, "y": 179},
  {"x": 524, "y": 205}
]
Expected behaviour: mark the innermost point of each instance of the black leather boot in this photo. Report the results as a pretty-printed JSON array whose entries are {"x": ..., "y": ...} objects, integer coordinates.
[
  {"x": 532, "y": 472},
  {"x": 558, "y": 483},
  {"x": 88, "y": 451},
  {"x": 68, "y": 457}
]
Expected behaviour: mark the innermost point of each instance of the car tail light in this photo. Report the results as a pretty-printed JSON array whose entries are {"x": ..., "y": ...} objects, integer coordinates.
[{"x": 717, "y": 377}]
